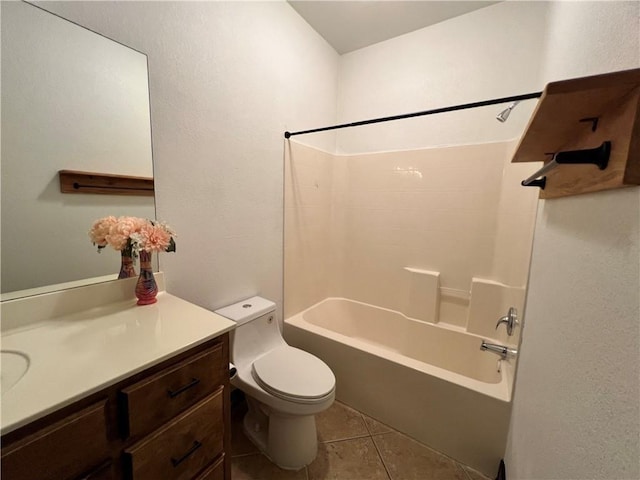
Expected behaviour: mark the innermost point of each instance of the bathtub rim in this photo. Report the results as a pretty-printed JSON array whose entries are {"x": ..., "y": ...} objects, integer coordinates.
[{"x": 502, "y": 390}]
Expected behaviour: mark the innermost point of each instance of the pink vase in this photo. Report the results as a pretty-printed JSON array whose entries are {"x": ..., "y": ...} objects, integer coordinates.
[
  {"x": 146, "y": 288},
  {"x": 126, "y": 265}
]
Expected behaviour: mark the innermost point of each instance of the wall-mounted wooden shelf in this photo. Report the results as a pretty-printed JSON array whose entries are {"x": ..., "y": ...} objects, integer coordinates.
[
  {"x": 72, "y": 181},
  {"x": 564, "y": 120}
]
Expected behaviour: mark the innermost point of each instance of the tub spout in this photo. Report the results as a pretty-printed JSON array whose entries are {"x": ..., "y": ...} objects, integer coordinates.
[{"x": 501, "y": 350}]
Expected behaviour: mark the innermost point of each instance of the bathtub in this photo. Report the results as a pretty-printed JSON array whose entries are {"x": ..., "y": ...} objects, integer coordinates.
[{"x": 429, "y": 381}]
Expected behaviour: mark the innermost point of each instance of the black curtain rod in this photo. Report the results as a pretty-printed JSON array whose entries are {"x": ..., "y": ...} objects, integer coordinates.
[{"x": 464, "y": 106}]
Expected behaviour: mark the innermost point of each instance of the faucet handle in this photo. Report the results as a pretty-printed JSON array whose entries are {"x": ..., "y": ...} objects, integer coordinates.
[
  {"x": 504, "y": 319},
  {"x": 510, "y": 319}
]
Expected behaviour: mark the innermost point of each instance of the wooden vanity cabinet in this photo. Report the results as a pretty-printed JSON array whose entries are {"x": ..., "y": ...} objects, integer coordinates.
[
  {"x": 64, "y": 449},
  {"x": 169, "y": 422}
]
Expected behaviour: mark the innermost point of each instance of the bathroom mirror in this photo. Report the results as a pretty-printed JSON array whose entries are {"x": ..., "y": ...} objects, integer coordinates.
[{"x": 71, "y": 100}]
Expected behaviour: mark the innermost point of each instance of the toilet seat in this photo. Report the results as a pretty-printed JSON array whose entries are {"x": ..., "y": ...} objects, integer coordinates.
[{"x": 293, "y": 374}]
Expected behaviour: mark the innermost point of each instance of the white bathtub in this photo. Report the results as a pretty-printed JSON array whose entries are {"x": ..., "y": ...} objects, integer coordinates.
[{"x": 431, "y": 382}]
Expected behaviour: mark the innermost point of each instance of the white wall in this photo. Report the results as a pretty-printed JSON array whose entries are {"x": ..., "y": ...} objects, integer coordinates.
[
  {"x": 577, "y": 400},
  {"x": 226, "y": 80},
  {"x": 490, "y": 53}
]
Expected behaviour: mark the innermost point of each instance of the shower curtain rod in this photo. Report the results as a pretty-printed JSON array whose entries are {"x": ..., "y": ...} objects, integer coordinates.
[{"x": 464, "y": 106}]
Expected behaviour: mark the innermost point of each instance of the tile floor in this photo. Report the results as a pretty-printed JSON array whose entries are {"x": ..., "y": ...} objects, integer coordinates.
[{"x": 351, "y": 446}]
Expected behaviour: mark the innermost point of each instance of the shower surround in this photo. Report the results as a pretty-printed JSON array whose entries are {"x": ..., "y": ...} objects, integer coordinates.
[
  {"x": 439, "y": 236},
  {"x": 360, "y": 226}
]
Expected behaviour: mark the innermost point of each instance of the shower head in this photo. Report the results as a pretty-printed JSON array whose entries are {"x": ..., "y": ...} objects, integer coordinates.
[{"x": 504, "y": 114}]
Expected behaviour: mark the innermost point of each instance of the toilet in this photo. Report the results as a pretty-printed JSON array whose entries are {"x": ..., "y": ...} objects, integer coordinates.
[{"x": 285, "y": 386}]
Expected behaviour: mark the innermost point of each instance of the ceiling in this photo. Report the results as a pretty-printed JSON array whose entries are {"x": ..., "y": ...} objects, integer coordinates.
[{"x": 350, "y": 25}]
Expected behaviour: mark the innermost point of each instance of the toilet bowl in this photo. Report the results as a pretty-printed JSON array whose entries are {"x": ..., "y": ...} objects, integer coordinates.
[{"x": 285, "y": 386}]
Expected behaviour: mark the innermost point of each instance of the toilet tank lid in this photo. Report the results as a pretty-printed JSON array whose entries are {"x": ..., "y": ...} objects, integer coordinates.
[{"x": 247, "y": 310}]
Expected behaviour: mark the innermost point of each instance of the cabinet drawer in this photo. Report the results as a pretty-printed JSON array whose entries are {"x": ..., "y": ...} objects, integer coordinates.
[
  {"x": 153, "y": 401},
  {"x": 63, "y": 450},
  {"x": 214, "y": 471},
  {"x": 183, "y": 447},
  {"x": 102, "y": 472}
]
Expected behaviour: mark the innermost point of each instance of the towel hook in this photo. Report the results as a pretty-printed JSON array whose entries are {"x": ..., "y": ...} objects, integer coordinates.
[{"x": 596, "y": 156}]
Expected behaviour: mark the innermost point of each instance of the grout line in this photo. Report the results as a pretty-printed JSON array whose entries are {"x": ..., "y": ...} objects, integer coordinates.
[
  {"x": 381, "y": 458},
  {"x": 238, "y": 455},
  {"x": 467, "y": 470},
  {"x": 384, "y": 465},
  {"x": 464, "y": 470},
  {"x": 346, "y": 439},
  {"x": 364, "y": 435},
  {"x": 364, "y": 420},
  {"x": 437, "y": 452},
  {"x": 391, "y": 430}
]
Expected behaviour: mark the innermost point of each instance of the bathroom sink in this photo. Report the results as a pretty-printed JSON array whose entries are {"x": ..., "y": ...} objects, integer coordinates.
[{"x": 13, "y": 366}]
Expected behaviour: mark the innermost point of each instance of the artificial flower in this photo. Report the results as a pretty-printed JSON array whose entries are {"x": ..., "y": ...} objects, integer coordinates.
[
  {"x": 132, "y": 235},
  {"x": 121, "y": 231},
  {"x": 100, "y": 230}
]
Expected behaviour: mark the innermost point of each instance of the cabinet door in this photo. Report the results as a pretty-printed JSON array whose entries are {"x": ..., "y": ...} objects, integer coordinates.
[
  {"x": 183, "y": 447},
  {"x": 154, "y": 400},
  {"x": 63, "y": 450}
]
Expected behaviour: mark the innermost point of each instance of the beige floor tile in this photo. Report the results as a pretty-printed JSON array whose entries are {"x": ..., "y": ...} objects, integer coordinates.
[
  {"x": 258, "y": 467},
  {"x": 407, "y": 459},
  {"x": 240, "y": 444},
  {"x": 355, "y": 459},
  {"x": 474, "y": 475},
  {"x": 340, "y": 422},
  {"x": 375, "y": 427}
]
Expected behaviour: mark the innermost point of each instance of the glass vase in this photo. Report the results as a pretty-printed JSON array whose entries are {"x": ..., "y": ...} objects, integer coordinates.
[
  {"x": 146, "y": 287},
  {"x": 126, "y": 265}
]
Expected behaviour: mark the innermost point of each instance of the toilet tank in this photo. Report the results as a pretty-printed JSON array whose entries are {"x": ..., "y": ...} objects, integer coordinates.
[{"x": 257, "y": 330}]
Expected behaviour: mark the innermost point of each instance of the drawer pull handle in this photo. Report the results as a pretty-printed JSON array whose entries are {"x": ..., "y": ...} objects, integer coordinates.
[
  {"x": 177, "y": 461},
  {"x": 192, "y": 383}
]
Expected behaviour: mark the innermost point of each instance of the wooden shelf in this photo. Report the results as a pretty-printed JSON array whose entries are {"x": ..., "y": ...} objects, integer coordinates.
[
  {"x": 562, "y": 122},
  {"x": 72, "y": 181}
]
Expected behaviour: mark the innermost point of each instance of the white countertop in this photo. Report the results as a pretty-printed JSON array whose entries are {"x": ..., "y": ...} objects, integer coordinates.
[{"x": 74, "y": 355}]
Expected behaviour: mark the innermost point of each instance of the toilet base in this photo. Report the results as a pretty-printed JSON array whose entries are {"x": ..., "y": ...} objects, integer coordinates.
[{"x": 289, "y": 441}]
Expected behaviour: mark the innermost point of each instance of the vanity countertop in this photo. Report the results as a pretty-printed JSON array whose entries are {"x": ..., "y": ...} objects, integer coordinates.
[{"x": 79, "y": 353}]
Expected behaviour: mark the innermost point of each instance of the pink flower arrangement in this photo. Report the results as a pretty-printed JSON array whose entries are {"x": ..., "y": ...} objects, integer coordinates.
[{"x": 132, "y": 234}]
